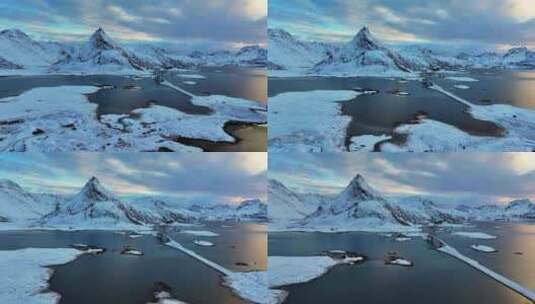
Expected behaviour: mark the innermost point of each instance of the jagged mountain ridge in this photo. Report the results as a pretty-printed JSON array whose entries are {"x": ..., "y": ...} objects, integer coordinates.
[
  {"x": 358, "y": 206},
  {"x": 94, "y": 206},
  {"x": 364, "y": 54},
  {"x": 101, "y": 54}
]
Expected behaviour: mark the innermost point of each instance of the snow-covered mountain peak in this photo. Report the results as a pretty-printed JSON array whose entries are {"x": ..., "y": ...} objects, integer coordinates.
[
  {"x": 101, "y": 40},
  {"x": 279, "y": 33},
  {"x": 358, "y": 189},
  {"x": 6, "y": 184},
  {"x": 365, "y": 40},
  {"x": 519, "y": 203},
  {"x": 517, "y": 50},
  {"x": 14, "y": 33},
  {"x": 94, "y": 191}
]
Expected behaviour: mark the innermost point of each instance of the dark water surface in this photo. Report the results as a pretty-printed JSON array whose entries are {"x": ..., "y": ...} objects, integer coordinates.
[
  {"x": 435, "y": 278},
  {"x": 112, "y": 278},
  {"x": 516, "y": 88},
  {"x": 123, "y": 94},
  {"x": 381, "y": 113}
]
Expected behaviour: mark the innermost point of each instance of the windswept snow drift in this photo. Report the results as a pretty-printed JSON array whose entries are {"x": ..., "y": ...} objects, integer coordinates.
[{"x": 25, "y": 276}]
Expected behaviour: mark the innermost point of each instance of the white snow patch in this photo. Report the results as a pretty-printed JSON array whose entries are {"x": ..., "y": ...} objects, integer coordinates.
[
  {"x": 483, "y": 248},
  {"x": 475, "y": 235},
  {"x": 189, "y": 82},
  {"x": 200, "y": 233},
  {"x": 308, "y": 121},
  {"x": 401, "y": 262},
  {"x": 191, "y": 76},
  {"x": 461, "y": 86},
  {"x": 292, "y": 270},
  {"x": 203, "y": 243},
  {"x": 61, "y": 119},
  {"x": 462, "y": 79},
  {"x": 25, "y": 276}
]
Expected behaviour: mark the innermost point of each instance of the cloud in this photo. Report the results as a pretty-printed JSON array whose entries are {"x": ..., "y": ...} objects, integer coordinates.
[
  {"x": 483, "y": 23},
  {"x": 450, "y": 177},
  {"x": 208, "y": 23},
  {"x": 220, "y": 177}
]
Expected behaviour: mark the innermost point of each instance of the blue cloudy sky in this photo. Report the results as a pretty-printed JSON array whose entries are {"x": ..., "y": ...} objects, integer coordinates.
[
  {"x": 471, "y": 178},
  {"x": 199, "y": 177},
  {"x": 487, "y": 24},
  {"x": 209, "y": 24}
]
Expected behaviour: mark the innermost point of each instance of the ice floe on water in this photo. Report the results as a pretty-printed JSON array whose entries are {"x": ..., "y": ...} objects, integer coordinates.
[
  {"x": 308, "y": 121},
  {"x": 203, "y": 243},
  {"x": 462, "y": 79},
  {"x": 475, "y": 235},
  {"x": 189, "y": 82},
  {"x": 62, "y": 119},
  {"x": 191, "y": 76},
  {"x": 483, "y": 248},
  {"x": 461, "y": 86},
  {"x": 200, "y": 233},
  {"x": 25, "y": 274}
]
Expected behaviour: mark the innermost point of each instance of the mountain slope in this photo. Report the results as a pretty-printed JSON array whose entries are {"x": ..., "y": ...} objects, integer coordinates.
[
  {"x": 357, "y": 207},
  {"x": 16, "y": 204},
  {"x": 19, "y": 50},
  {"x": 93, "y": 206},
  {"x": 286, "y": 52},
  {"x": 420, "y": 210},
  {"x": 364, "y": 55},
  {"x": 285, "y": 205},
  {"x": 100, "y": 54},
  {"x": 253, "y": 209}
]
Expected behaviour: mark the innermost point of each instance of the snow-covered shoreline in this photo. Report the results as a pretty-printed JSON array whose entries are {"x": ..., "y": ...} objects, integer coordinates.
[
  {"x": 292, "y": 115},
  {"x": 25, "y": 274},
  {"x": 62, "y": 119}
]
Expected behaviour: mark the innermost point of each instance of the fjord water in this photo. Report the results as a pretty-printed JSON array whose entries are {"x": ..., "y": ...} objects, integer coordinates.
[
  {"x": 112, "y": 278},
  {"x": 381, "y": 113},
  {"x": 123, "y": 94},
  {"x": 515, "y": 243},
  {"x": 435, "y": 277},
  {"x": 516, "y": 88}
]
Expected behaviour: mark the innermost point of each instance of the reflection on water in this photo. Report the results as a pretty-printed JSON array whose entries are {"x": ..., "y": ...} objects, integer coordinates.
[
  {"x": 435, "y": 278},
  {"x": 112, "y": 278},
  {"x": 498, "y": 86},
  {"x": 248, "y": 83},
  {"x": 516, "y": 250},
  {"x": 237, "y": 244}
]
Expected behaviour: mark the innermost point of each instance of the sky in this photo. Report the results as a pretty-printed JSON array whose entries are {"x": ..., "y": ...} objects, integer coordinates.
[
  {"x": 188, "y": 177},
  {"x": 459, "y": 24},
  {"x": 447, "y": 178},
  {"x": 194, "y": 24}
]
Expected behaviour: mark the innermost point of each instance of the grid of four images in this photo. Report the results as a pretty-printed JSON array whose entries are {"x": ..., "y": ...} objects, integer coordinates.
[{"x": 267, "y": 151}]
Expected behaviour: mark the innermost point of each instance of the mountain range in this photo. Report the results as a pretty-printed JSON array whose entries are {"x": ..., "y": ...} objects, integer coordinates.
[
  {"x": 366, "y": 55},
  {"x": 101, "y": 54},
  {"x": 96, "y": 207},
  {"x": 360, "y": 207}
]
